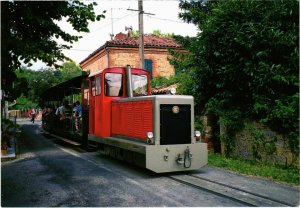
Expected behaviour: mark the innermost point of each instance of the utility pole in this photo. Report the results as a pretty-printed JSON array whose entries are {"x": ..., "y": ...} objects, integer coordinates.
[
  {"x": 141, "y": 32},
  {"x": 141, "y": 35}
]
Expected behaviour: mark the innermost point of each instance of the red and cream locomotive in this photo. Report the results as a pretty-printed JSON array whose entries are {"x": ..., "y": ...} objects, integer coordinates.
[{"x": 123, "y": 120}]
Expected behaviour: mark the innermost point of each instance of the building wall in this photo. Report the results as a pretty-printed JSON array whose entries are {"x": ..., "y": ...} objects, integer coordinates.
[
  {"x": 96, "y": 63},
  {"x": 124, "y": 56},
  {"x": 160, "y": 64}
]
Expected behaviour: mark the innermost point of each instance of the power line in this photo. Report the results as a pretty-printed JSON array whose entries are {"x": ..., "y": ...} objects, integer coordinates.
[
  {"x": 109, "y": 24},
  {"x": 75, "y": 49},
  {"x": 164, "y": 19}
]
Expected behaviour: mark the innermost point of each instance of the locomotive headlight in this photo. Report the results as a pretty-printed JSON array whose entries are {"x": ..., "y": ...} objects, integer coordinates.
[
  {"x": 197, "y": 135},
  {"x": 150, "y": 138},
  {"x": 173, "y": 91},
  {"x": 149, "y": 135}
]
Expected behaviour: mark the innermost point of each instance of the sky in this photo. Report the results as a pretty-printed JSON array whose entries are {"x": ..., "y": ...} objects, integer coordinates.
[{"x": 165, "y": 19}]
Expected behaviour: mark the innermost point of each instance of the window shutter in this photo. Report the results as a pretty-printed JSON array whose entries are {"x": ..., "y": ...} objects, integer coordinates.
[{"x": 148, "y": 66}]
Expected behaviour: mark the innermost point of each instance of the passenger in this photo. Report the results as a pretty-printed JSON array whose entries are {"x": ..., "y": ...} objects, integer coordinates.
[
  {"x": 68, "y": 109},
  {"x": 44, "y": 115},
  {"x": 60, "y": 112},
  {"x": 74, "y": 109},
  {"x": 79, "y": 109},
  {"x": 52, "y": 118},
  {"x": 74, "y": 116},
  {"x": 65, "y": 115},
  {"x": 78, "y": 115},
  {"x": 68, "y": 115}
]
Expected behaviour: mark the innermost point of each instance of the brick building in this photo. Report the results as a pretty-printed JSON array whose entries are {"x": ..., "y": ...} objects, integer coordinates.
[{"x": 124, "y": 50}]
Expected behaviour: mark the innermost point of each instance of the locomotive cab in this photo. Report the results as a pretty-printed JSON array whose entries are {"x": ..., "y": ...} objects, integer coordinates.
[
  {"x": 107, "y": 86},
  {"x": 157, "y": 131}
]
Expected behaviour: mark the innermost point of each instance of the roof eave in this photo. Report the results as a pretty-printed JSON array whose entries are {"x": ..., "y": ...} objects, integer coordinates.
[{"x": 108, "y": 44}]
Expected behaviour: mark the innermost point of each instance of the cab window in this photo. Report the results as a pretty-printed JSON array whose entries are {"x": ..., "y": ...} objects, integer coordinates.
[
  {"x": 113, "y": 84},
  {"x": 86, "y": 96},
  {"x": 139, "y": 85},
  {"x": 98, "y": 85},
  {"x": 93, "y": 86}
]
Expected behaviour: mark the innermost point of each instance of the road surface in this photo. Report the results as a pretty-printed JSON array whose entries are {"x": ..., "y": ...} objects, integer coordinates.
[{"x": 49, "y": 172}]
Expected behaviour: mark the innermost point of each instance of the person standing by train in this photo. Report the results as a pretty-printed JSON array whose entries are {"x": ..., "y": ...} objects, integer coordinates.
[{"x": 32, "y": 115}]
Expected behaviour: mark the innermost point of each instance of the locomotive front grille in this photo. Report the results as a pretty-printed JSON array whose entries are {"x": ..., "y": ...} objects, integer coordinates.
[{"x": 175, "y": 124}]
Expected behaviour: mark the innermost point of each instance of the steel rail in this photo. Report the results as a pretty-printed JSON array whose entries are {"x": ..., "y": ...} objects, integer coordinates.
[
  {"x": 233, "y": 193},
  {"x": 248, "y": 192}
]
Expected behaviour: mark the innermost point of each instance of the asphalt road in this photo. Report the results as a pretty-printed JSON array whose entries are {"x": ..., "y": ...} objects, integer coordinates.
[{"x": 50, "y": 173}]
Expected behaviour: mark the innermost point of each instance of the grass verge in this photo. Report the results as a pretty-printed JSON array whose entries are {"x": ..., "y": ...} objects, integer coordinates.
[{"x": 276, "y": 173}]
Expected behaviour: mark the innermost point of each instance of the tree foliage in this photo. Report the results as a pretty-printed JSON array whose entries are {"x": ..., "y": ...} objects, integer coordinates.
[
  {"x": 30, "y": 84},
  {"x": 69, "y": 70},
  {"x": 29, "y": 32},
  {"x": 244, "y": 61},
  {"x": 37, "y": 82},
  {"x": 136, "y": 33}
]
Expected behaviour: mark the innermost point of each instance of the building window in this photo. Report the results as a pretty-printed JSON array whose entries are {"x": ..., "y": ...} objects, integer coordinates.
[{"x": 148, "y": 66}]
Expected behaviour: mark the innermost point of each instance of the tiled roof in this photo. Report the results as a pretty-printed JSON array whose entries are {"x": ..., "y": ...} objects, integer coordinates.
[
  {"x": 150, "y": 41},
  {"x": 162, "y": 90}
]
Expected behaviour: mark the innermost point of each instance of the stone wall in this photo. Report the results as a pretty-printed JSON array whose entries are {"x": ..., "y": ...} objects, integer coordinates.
[
  {"x": 257, "y": 142},
  {"x": 207, "y": 133},
  {"x": 210, "y": 133}
]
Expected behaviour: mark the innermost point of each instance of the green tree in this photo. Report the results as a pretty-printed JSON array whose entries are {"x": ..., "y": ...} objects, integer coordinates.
[
  {"x": 29, "y": 32},
  {"x": 23, "y": 103},
  {"x": 159, "y": 33},
  {"x": 69, "y": 69},
  {"x": 244, "y": 62},
  {"x": 30, "y": 84},
  {"x": 37, "y": 82},
  {"x": 135, "y": 33}
]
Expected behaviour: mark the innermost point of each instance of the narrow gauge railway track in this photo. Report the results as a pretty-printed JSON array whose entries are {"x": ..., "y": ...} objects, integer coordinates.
[
  {"x": 224, "y": 190},
  {"x": 233, "y": 193}
]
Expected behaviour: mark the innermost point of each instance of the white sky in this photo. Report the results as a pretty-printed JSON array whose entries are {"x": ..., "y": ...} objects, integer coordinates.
[{"x": 165, "y": 19}]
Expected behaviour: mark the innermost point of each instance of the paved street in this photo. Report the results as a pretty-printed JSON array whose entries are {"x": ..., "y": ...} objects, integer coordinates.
[{"x": 50, "y": 173}]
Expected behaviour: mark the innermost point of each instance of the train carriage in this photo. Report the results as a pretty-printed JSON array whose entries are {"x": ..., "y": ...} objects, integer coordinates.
[{"x": 123, "y": 120}]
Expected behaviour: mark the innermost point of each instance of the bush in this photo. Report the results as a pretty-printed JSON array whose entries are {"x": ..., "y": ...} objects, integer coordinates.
[{"x": 244, "y": 63}]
